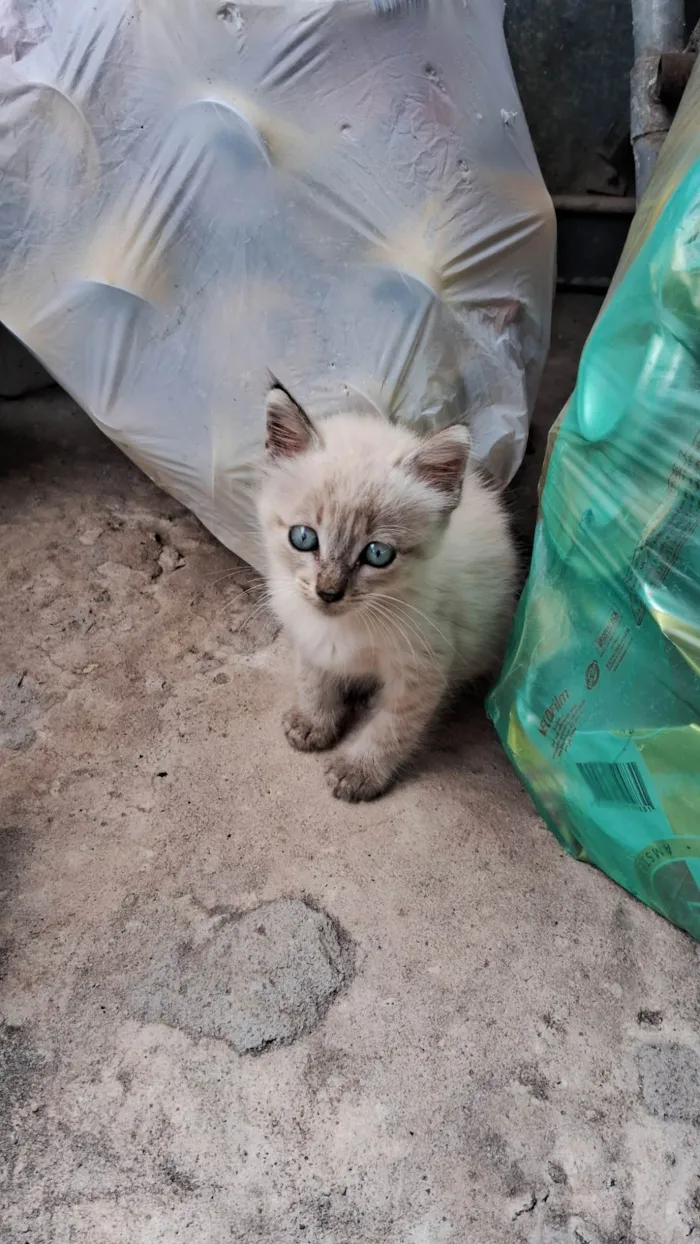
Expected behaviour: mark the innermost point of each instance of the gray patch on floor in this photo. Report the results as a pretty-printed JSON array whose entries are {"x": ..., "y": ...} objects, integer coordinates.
[
  {"x": 256, "y": 980},
  {"x": 20, "y": 1067},
  {"x": 670, "y": 1076},
  {"x": 18, "y": 706}
]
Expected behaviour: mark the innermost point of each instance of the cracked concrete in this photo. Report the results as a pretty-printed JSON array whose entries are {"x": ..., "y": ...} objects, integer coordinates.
[{"x": 449, "y": 1032}]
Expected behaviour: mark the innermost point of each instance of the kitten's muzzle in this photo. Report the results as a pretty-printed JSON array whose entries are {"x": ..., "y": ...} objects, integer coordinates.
[
  {"x": 330, "y": 595},
  {"x": 331, "y": 581}
]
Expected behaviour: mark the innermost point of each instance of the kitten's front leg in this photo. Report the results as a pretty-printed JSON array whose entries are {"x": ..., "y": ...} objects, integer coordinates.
[
  {"x": 371, "y": 759},
  {"x": 316, "y": 721}
]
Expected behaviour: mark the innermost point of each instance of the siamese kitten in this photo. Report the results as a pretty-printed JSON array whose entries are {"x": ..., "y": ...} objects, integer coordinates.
[{"x": 391, "y": 567}]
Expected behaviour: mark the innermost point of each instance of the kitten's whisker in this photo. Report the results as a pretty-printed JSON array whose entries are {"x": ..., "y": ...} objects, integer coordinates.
[
  {"x": 262, "y": 604},
  {"x": 238, "y": 566},
  {"x": 250, "y": 617},
  {"x": 396, "y": 619},
  {"x": 242, "y": 589},
  {"x": 432, "y": 659},
  {"x": 406, "y": 605},
  {"x": 387, "y": 633},
  {"x": 218, "y": 576},
  {"x": 367, "y": 623},
  {"x": 393, "y": 622},
  {"x": 245, "y": 588}
]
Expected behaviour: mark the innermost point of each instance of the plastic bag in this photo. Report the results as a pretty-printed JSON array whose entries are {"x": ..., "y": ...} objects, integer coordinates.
[
  {"x": 197, "y": 191},
  {"x": 598, "y": 703}
]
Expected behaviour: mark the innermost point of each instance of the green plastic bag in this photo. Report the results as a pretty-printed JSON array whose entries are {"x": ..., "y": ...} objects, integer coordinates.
[{"x": 598, "y": 704}]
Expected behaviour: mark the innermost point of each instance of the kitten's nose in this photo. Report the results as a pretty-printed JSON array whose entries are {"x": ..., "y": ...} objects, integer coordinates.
[{"x": 330, "y": 595}]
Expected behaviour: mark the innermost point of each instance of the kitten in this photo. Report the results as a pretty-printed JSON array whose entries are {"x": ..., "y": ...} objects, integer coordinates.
[{"x": 391, "y": 566}]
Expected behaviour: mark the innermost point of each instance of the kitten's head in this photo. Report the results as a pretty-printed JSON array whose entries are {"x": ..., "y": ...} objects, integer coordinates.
[{"x": 352, "y": 511}]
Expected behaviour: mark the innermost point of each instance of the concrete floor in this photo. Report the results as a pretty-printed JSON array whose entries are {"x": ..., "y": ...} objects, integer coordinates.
[{"x": 236, "y": 1010}]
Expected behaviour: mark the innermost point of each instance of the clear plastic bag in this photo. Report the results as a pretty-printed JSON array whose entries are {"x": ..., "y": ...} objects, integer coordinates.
[{"x": 196, "y": 192}]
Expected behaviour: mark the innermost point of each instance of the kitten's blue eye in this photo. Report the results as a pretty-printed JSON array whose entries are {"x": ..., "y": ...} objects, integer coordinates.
[
  {"x": 378, "y": 555},
  {"x": 303, "y": 538}
]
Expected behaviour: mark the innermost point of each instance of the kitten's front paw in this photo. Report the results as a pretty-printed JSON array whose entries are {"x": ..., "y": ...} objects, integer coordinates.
[
  {"x": 355, "y": 779},
  {"x": 307, "y": 735}
]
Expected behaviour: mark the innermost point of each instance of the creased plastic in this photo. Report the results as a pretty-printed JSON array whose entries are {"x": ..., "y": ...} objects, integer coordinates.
[
  {"x": 599, "y": 699},
  {"x": 195, "y": 193}
]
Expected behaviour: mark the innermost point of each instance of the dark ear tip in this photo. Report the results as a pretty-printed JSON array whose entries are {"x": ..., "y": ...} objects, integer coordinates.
[
  {"x": 273, "y": 383},
  {"x": 289, "y": 431}
]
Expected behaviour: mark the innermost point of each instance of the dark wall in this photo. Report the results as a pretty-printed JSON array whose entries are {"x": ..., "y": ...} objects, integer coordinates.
[{"x": 572, "y": 60}]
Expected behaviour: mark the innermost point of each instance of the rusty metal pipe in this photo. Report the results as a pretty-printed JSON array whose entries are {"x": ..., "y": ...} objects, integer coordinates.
[
  {"x": 658, "y": 25},
  {"x": 658, "y": 28}
]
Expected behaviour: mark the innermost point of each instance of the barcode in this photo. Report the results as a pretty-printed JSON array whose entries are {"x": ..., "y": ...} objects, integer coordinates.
[{"x": 617, "y": 783}]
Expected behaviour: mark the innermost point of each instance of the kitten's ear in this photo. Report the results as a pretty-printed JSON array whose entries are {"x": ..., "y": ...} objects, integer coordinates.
[
  {"x": 288, "y": 431},
  {"x": 441, "y": 460}
]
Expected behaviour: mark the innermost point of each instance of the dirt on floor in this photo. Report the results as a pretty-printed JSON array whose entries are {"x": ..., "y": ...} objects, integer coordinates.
[{"x": 234, "y": 1009}]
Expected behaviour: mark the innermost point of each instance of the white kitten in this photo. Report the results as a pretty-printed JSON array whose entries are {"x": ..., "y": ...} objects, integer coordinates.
[{"x": 391, "y": 567}]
